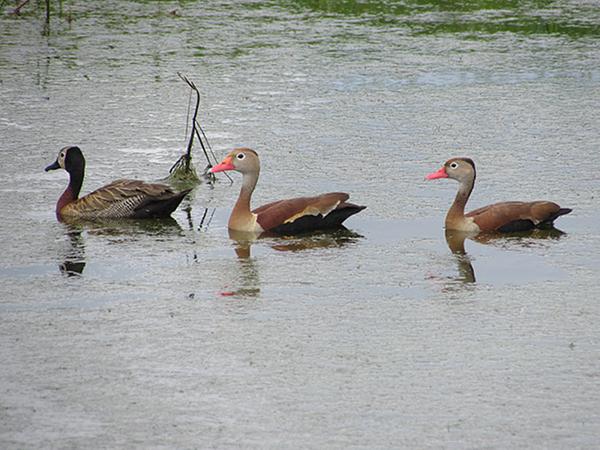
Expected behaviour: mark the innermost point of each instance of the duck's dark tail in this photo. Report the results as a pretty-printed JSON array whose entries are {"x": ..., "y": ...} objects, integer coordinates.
[
  {"x": 312, "y": 223},
  {"x": 162, "y": 207},
  {"x": 342, "y": 212},
  {"x": 549, "y": 222},
  {"x": 556, "y": 215}
]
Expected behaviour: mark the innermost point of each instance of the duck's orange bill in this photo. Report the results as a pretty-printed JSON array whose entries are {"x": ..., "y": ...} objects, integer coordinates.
[
  {"x": 223, "y": 166},
  {"x": 439, "y": 174}
]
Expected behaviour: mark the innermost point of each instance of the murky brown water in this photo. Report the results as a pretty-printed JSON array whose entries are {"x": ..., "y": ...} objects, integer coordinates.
[{"x": 118, "y": 335}]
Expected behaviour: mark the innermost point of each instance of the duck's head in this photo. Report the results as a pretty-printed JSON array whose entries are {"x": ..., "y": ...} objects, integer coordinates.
[
  {"x": 243, "y": 160},
  {"x": 69, "y": 158},
  {"x": 459, "y": 169}
]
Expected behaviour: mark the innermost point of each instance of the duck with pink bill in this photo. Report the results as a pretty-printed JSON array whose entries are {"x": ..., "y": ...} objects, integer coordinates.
[
  {"x": 500, "y": 217},
  {"x": 290, "y": 216}
]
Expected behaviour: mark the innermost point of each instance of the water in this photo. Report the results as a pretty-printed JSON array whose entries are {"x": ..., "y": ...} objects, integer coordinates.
[{"x": 173, "y": 334}]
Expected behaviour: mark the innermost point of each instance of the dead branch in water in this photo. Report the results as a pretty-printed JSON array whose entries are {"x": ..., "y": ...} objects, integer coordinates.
[
  {"x": 18, "y": 8},
  {"x": 183, "y": 168},
  {"x": 188, "y": 153}
]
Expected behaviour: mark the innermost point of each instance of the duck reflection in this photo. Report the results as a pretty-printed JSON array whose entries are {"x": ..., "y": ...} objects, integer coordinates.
[
  {"x": 73, "y": 258},
  {"x": 530, "y": 238},
  {"x": 247, "y": 271},
  {"x": 338, "y": 237},
  {"x": 243, "y": 241},
  {"x": 74, "y": 254},
  {"x": 126, "y": 227},
  {"x": 456, "y": 243}
]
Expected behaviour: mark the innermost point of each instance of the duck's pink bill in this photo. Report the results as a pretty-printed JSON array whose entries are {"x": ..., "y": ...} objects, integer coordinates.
[
  {"x": 222, "y": 166},
  {"x": 439, "y": 174}
]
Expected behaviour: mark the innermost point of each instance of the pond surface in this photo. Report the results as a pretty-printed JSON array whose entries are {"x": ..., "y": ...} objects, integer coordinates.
[{"x": 164, "y": 334}]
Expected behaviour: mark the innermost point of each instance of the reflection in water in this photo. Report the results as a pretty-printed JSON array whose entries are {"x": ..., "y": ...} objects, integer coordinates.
[
  {"x": 532, "y": 238},
  {"x": 328, "y": 239},
  {"x": 203, "y": 226},
  {"x": 456, "y": 243},
  {"x": 248, "y": 278},
  {"x": 294, "y": 243},
  {"x": 74, "y": 256},
  {"x": 206, "y": 218},
  {"x": 125, "y": 227},
  {"x": 243, "y": 241}
]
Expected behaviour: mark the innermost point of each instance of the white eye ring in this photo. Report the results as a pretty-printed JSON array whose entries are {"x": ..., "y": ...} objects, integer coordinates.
[
  {"x": 454, "y": 165},
  {"x": 240, "y": 156},
  {"x": 62, "y": 155}
]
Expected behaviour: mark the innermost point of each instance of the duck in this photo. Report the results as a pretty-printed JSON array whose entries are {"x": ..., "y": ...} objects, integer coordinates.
[
  {"x": 504, "y": 217},
  {"x": 290, "y": 216},
  {"x": 120, "y": 199}
]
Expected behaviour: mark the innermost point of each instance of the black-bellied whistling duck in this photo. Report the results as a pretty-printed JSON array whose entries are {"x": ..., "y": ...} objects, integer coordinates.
[
  {"x": 503, "y": 217},
  {"x": 295, "y": 215},
  {"x": 119, "y": 199}
]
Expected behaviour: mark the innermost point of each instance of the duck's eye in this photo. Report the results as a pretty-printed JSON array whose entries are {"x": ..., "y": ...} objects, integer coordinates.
[
  {"x": 240, "y": 156},
  {"x": 454, "y": 165},
  {"x": 62, "y": 155}
]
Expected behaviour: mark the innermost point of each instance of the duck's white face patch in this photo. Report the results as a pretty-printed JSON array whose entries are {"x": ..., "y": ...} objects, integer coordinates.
[{"x": 62, "y": 155}]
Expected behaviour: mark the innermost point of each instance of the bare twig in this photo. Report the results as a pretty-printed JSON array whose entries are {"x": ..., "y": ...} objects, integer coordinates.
[
  {"x": 197, "y": 131},
  {"x": 188, "y": 153},
  {"x": 17, "y": 9},
  {"x": 207, "y": 143},
  {"x": 187, "y": 115},
  {"x": 201, "y": 143},
  {"x": 184, "y": 163},
  {"x": 198, "y": 127}
]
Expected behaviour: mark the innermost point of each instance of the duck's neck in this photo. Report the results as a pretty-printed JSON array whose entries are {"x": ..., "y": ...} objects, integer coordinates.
[
  {"x": 71, "y": 193},
  {"x": 456, "y": 213},
  {"x": 241, "y": 217}
]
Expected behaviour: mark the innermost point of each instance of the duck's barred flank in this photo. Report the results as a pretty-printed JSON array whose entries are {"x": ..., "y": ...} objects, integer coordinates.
[{"x": 117, "y": 200}]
